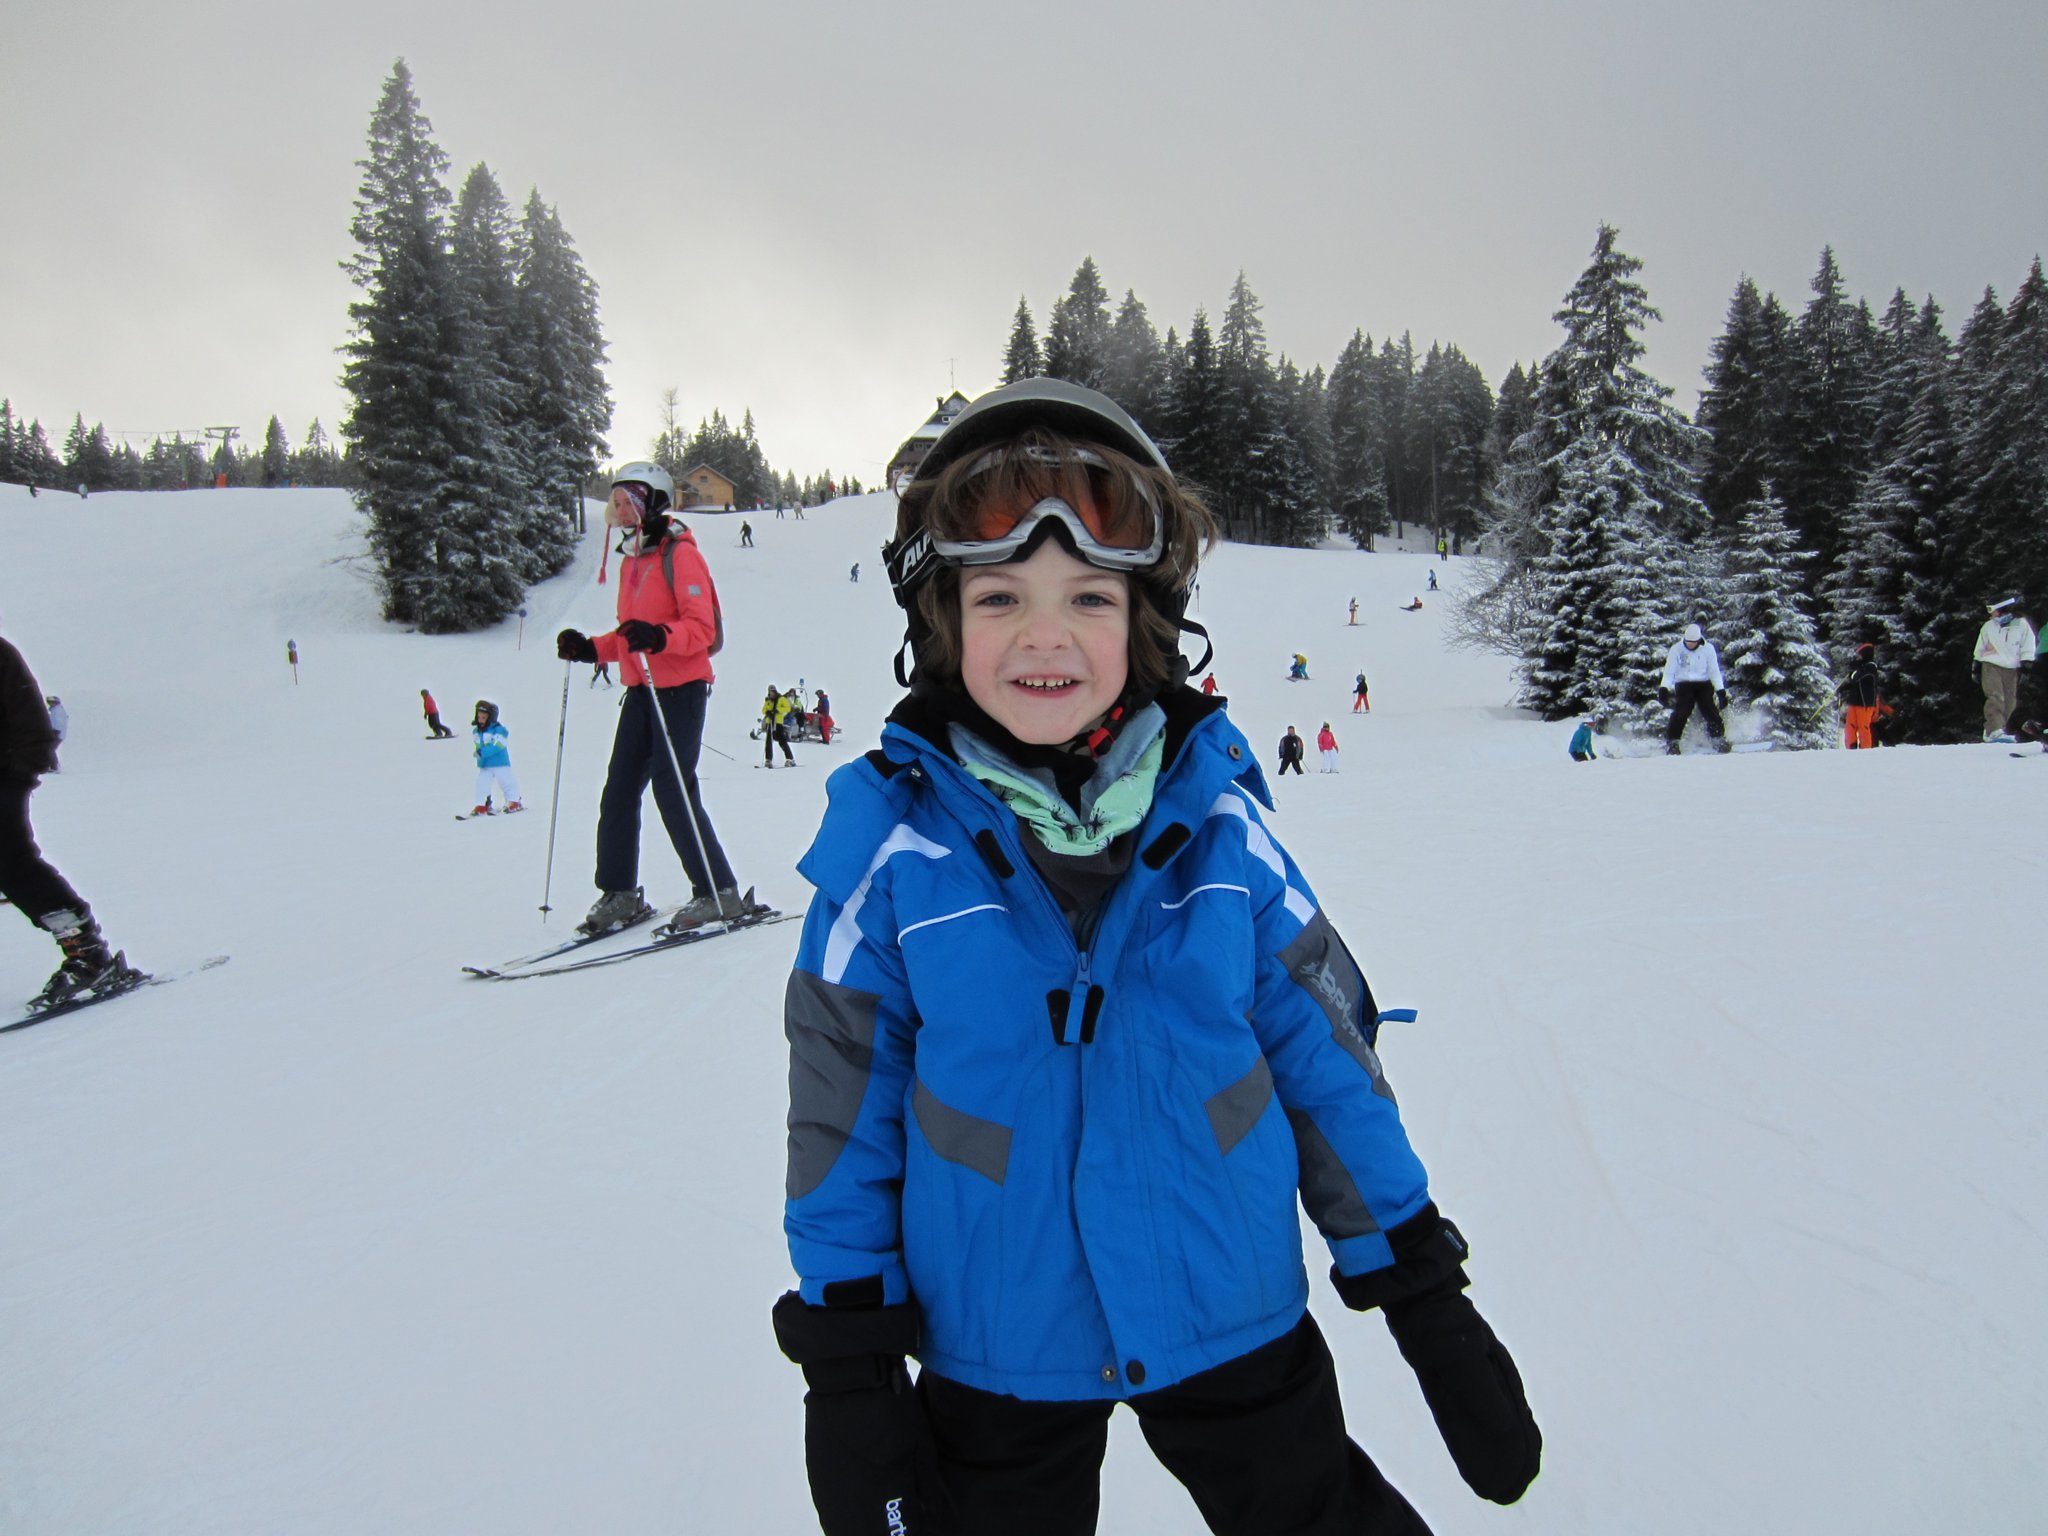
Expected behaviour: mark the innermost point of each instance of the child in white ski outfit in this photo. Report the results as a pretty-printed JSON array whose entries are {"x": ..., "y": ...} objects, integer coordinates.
[{"x": 491, "y": 743}]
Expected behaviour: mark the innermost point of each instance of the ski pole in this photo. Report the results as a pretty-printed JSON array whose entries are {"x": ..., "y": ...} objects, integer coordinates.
[
  {"x": 689, "y": 800},
  {"x": 555, "y": 802},
  {"x": 710, "y": 748}
]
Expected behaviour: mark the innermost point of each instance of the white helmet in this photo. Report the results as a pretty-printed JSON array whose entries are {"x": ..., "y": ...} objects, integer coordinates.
[
  {"x": 1694, "y": 632},
  {"x": 660, "y": 484}
]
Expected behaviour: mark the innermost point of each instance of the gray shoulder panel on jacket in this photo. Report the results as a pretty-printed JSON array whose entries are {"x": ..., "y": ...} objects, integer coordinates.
[
  {"x": 831, "y": 1030},
  {"x": 1322, "y": 967}
]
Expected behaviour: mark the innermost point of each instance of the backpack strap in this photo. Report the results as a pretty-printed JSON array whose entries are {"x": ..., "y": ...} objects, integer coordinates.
[{"x": 668, "y": 573}]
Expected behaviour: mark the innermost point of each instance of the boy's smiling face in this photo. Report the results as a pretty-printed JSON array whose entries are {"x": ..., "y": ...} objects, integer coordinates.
[{"x": 1044, "y": 643}]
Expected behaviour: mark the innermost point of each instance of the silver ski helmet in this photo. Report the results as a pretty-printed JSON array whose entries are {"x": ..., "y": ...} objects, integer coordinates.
[
  {"x": 1072, "y": 409},
  {"x": 1056, "y": 426},
  {"x": 660, "y": 484}
]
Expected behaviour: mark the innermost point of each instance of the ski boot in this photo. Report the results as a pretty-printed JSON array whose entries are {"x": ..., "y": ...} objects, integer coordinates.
[
  {"x": 724, "y": 904},
  {"x": 89, "y": 966},
  {"x": 615, "y": 910},
  {"x": 480, "y": 810},
  {"x": 514, "y": 805}
]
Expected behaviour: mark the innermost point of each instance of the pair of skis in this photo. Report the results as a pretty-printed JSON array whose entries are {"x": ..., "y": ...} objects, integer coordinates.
[
  {"x": 559, "y": 959},
  {"x": 121, "y": 985}
]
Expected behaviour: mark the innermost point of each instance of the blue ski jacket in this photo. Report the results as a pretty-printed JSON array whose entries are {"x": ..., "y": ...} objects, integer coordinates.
[
  {"x": 492, "y": 744},
  {"x": 1082, "y": 1165}
]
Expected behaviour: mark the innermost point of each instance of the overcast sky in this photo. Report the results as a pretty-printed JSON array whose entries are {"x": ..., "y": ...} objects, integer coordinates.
[{"x": 827, "y": 211}]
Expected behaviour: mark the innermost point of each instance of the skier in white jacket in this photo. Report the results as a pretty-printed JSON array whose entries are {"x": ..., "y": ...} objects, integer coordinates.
[
  {"x": 2005, "y": 649},
  {"x": 1692, "y": 680}
]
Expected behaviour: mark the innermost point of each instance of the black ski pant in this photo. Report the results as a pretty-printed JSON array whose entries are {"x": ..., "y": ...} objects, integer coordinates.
[
  {"x": 1687, "y": 697},
  {"x": 1258, "y": 1441},
  {"x": 778, "y": 735},
  {"x": 28, "y": 879},
  {"x": 435, "y": 726},
  {"x": 1287, "y": 763},
  {"x": 638, "y": 758}
]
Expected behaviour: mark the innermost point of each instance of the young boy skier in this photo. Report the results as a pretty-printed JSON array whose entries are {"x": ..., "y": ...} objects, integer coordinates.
[
  {"x": 1068, "y": 1031},
  {"x": 491, "y": 743}
]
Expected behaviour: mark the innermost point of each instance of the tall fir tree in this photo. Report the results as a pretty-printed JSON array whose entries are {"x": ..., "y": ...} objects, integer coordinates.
[
  {"x": 566, "y": 402},
  {"x": 1748, "y": 376},
  {"x": 2003, "y": 458},
  {"x": 493, "y": 357},
  {"x": 1592, "y": 393},
  {"x": 1077, "y": 335},
  {"x": 1134, "y": 369},
  {"x": 1453, "y": 417},
  {"x": 1197, "y": 412},
  {"x": 1021, "y": 359},
  {"x": 1824, "y": 424},
  {"x": 1770, "y": 653},
  {"x": 433, "y": 531},
  {"x": 1863, "y": 592},
  {"x": 1358, "y": 444},
  {"x": 1246, "y": 445},
  {"x": 1603, "y": 601},
  {"x": 277, "y": 455}
]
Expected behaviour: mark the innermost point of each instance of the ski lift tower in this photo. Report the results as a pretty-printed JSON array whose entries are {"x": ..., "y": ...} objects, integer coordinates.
[{"x": 227, "y": 435}]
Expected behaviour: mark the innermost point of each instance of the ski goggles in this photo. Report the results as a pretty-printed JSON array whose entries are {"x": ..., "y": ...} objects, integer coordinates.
[{"x": 1002, "y": 536}]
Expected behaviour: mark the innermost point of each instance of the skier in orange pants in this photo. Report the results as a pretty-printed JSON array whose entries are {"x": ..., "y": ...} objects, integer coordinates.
[{"x": 1866, "y": 703}]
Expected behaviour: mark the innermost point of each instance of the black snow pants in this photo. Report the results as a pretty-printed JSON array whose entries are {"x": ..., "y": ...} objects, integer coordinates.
[
  {"x": 1258, "y": 1441},
  {"x": 28, "y": 879},
  {"x": 639, "y": 757},
  {"x": 1685, "y": 698}
]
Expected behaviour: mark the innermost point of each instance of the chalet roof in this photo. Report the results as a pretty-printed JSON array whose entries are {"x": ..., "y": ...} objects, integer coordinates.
[{"x": 710, "y": 468}]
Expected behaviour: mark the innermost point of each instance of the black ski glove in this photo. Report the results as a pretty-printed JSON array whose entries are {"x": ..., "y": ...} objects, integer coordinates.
[
  {"x": 1721, "y": 698},
  {"x": 574, "y": 645},
  {"x": 1664, "y": 697},
  {"x": 1466, "y": 1374},
  {"x": 640, "y": 635},
  {"x": 867, "y": 1443}
]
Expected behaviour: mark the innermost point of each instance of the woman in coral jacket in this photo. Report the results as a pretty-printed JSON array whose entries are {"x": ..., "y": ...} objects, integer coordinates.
[{"x": 668, "y": 627}]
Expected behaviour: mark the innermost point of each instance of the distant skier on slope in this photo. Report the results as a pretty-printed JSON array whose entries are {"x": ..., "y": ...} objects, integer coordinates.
[
  {"x": 1361, "y": 698},
  {"x": 824, "y": 715},
  {"x": 491, "y": 745},
  {"x": 432, "y": 711},
  {"x": 1292, "y": 749},
  {"x": 2004, "y": 651},
  {"x": 1326, "y": 743},
  {"x": 775, "y": 712},
  {"x": 28, "y": 750},
  {"x": 1692, "y": 680},
  {"x": 1581, "y": 748},
  {"x": 1050, "y": 789},
  {"x": 669, "y": 625},
  {"x": 1298, "y": 673},
  {"x": 1863, "y": 700}
]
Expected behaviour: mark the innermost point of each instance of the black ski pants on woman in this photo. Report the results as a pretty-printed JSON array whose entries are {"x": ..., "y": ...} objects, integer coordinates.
[
  {"x": 1685, "y": 698},
  {"x": 1258, "y": 1441},
  {"x": 639, "y": 757},
  {"x": 28, "y": 879}
]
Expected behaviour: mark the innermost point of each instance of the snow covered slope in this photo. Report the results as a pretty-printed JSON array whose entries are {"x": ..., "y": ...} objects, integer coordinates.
[{"x": 1727, "y": 1066}]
